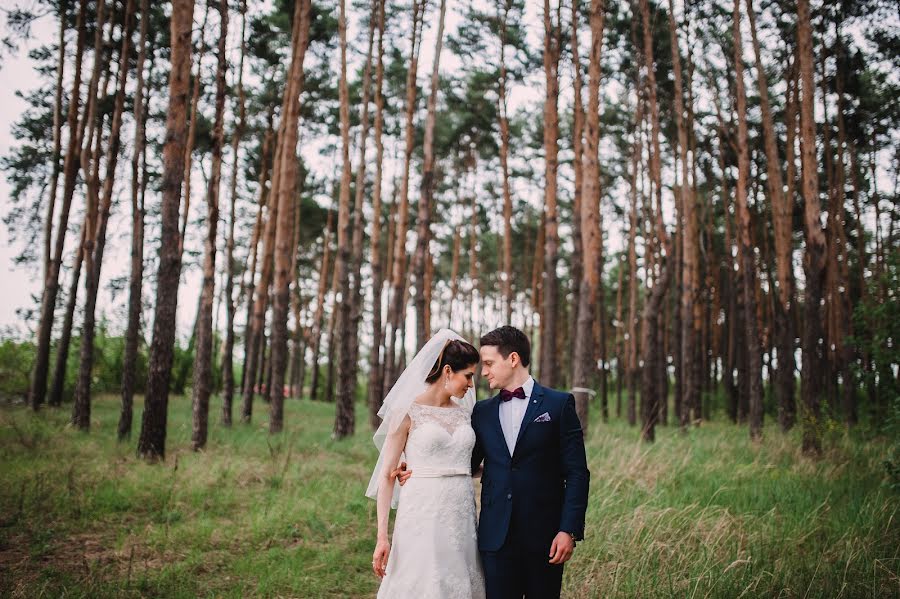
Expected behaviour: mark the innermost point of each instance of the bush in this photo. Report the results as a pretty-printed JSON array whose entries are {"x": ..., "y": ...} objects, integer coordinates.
[{"x": 16, "y": 358}]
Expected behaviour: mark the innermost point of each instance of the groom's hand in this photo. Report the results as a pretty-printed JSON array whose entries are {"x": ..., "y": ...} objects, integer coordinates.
[
  {"x": 401, "y": 473},
  {"x": 562, "y": 548}
]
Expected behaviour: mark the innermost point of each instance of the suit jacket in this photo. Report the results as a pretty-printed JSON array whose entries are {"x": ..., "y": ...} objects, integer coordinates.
[{"x": 543, "y": 487}]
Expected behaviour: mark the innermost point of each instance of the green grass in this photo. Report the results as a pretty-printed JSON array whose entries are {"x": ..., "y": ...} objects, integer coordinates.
[{"x": 706, "y": 514}]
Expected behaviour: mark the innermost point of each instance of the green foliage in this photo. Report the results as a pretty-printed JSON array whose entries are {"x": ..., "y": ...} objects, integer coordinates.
[{"x": 16, "y": 358}]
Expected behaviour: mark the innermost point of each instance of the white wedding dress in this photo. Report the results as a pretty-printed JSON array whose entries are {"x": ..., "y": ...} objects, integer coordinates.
[{"x": 434, "y": 552}]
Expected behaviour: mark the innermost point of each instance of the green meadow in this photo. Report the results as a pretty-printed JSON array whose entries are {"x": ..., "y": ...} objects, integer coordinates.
[{"x": 702, "y": 514}]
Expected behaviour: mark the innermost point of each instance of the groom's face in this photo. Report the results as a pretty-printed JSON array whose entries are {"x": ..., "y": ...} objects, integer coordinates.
[{"x": 495, "y": 368}]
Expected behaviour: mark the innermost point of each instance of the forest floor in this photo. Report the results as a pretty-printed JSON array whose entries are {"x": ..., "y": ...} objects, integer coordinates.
[{"x": 702, "y": 514}]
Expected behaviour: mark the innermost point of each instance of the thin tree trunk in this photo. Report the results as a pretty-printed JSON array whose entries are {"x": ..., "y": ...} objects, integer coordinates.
[
  {"x": 203, "y": 358},
  {"x": 376, "y": 373},
  {"x": 57, "y": 388},
  {"x": 590, "y": 223},
  {"x": 138, "y": 187},
  {"x": 782, "y": 223},
  {"x": 228, "y": 350},
  {"x": 814, "y": 264},
  {"x": 96, "y": 238},
  {"x": 152, "y": 441},
  {"x": 748, "y": 261},
  {"x": 577, "y": 263},
  {"x": 398, "y": 275},
  {"x": 344, "y": 422},
  {"x": 57, "y": 137},
  {"x": 320, "y": 306},
  {"x": 503, "y": 115},
  {"x": 284, "y": 177},
  {"x": 192, "y": 129},
  {"x": 350, "y": 340},
  {"x": 38, "y": 385},
  {"x": 550, "y": 286},
  {"x": 423, "y": 220}
]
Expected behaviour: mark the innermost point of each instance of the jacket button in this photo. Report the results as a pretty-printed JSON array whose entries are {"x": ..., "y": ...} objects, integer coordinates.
[
  {"x": 515, "y": 469},
  {"x": 509, "y": 495}
]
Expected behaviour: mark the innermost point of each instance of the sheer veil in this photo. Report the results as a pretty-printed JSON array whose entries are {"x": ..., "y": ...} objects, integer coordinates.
[{"x": 410, "y": 385}]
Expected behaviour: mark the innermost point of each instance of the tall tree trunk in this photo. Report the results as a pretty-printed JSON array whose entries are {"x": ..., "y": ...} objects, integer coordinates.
[
  {"x": 350, "y": 340},
  {"x": 344, "y": 418},
  {"x": 138, "y": 188},
  {"x": 782, "y": 223},
  {"x": 590, "y": 223},
  {"x": 202, "y": 387},
  {"x": 423, "y": 220},
  {"x": 192, "y": 129},
  {"x": 57, "y": 137},
  {"x": 652, "y": 354},
  {"x": 264, "y": 207},
  {"x": 376, "y": 373},
  {"x": 57, "y": 388},
  {"x": 577, "y": 263},
  {"x": 690, "y": 272},
  {"x": 316, "y": 334},
  {"x": 550, "y": 284},
  {"x": 284, "y": 177},
  {"x": 503, "y": 115},
  {"x": 632, "y": 343},
  {"x": 96, "y": 239},
  {"x": 38, "y": 385},
  {"x": 152, "y": 441},
  {"x": 748, "y": 261},
  {"x": 814, "y": 262},
  {"x": 237, "y": 135},
  {"x": 398, "y": 275}
]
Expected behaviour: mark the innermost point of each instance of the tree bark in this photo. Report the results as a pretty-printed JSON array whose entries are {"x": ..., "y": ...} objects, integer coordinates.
[
  {"x": 96, "y": 238},
  {"x": 138, "y": 188},
  {"x": 423, "y": 219},
  {"x": 38, "y": 385},
  {"x": 398, "y": 275},
  {"x": 814, "y": 263},
  {"x": 376, "y": 373},
  {"x": 203, "y": 358},
  {"x": 237, "y": 135},
  {"x": 152, "y": 441},
  {"x": 350, "y": 340},
  {"x": 284, "y": 189},
  {"x": 782, "y": 224},
  {"x": 550, "y": 284},
  {"x": 748, "y": 261},
  {"x": 577, "y": 263},
  {"x": 583, "y": 356}
]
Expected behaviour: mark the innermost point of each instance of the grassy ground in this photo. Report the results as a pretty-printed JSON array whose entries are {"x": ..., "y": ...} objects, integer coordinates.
[{"x": 706, "y": 514}]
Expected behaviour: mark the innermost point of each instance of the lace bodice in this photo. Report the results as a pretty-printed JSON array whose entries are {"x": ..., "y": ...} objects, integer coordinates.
[{"x": 439, "y": 438}]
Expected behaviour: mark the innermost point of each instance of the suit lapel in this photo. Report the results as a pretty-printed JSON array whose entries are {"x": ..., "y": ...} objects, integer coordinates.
[
  {"x": 495, "y": 418},
  {"x": 531, "y": 412}
]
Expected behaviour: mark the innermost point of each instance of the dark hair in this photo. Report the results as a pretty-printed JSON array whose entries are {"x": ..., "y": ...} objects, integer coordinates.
[
  {"x": 509, "y": 339},
  {"x": 457, "y": 355}
]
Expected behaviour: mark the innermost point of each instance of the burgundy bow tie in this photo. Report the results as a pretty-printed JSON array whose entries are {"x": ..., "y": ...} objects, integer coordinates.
[{"x": 506, "y": 395}]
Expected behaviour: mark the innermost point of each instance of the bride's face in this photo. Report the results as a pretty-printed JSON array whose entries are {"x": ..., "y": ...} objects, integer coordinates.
[{"x": 460, "y": 381}]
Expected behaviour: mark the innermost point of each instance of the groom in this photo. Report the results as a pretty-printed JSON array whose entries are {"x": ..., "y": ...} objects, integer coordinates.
[{"x": 534, "y": 486}]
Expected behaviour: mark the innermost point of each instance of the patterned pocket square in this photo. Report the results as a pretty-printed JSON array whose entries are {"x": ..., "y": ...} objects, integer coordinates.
[{"x": 545, "y": 417}]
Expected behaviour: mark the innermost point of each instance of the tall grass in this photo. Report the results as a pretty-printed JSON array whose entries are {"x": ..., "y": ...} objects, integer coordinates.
[{"x": 702, "y": 514}]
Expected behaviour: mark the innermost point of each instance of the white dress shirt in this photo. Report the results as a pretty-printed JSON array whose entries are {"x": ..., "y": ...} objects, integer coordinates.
[{"x": 511, "y": 414}]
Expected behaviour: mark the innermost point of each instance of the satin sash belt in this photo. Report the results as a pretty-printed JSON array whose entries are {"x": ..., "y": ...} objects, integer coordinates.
[{"x": 423, "y": 472}]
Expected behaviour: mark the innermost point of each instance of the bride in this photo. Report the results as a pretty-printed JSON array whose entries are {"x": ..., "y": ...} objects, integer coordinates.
[{"x": 427, "y": 417}]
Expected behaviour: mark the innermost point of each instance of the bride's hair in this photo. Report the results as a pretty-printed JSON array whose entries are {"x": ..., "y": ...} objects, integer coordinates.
[{"x": 457, "y": 355}]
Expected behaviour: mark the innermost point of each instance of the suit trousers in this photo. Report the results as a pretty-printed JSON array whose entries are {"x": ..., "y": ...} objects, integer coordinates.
[{"x": 516, "y": 571}]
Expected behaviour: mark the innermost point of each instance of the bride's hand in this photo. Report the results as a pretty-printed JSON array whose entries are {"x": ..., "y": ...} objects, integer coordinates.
[
  {"x": 401, "y": 473},
  {"x": 380, "y": 557}
]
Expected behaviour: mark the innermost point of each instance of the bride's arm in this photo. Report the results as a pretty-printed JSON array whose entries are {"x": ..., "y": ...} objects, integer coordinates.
[{"x": 393, "y": 448}]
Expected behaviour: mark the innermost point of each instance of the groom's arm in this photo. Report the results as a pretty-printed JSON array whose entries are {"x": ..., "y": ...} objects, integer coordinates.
[{"x": 575, "y": 471}]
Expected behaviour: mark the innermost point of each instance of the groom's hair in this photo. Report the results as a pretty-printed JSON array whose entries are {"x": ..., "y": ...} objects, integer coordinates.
[
  {"x": 509, "y": 339},
  {"x": 457, "y": 355}
]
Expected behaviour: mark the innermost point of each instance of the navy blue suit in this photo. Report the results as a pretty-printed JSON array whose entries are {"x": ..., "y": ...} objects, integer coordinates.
[{"x": 530, "y": 496}]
